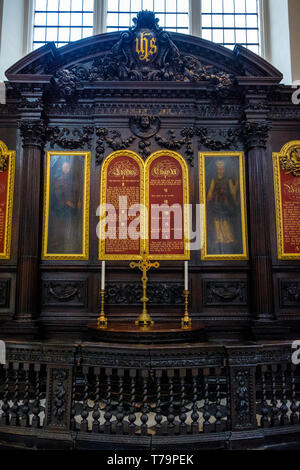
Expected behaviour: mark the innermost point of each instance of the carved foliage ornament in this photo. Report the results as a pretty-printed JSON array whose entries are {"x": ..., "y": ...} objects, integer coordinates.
[
  {"x": 33, "y": 132},
  {"x": 255, "y": 134},
  {"x": 144, "y": 52},
  {"x": 70, "y": 139},
  {"x": 225, "y": 293},
  {"x": 114, "y": 140},
  {"x": 58, "y": 398},
  {"x": 289, "y": 293},
  {"x": 290, "y": 163},
  {"x": 129, "y": 293},
  {"x": 145, "y": 127},
  {"x": 228, "y": 140},
  {"x": 5, "y": 285}
]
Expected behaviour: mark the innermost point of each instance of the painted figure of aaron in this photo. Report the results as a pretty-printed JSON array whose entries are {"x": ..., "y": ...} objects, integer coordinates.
[{"x": 65, "y": 218}]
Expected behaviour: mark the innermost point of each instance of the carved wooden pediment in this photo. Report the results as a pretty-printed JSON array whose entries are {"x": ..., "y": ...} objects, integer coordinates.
[{"x": 144, "y": 53}]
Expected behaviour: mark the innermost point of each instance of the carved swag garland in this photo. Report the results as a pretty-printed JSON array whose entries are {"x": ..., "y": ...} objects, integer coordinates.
[{"x": 106, "y": 138}]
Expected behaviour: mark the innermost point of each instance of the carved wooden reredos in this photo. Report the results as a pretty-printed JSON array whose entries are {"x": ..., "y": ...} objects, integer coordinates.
[{"x": 185, "y": 94}]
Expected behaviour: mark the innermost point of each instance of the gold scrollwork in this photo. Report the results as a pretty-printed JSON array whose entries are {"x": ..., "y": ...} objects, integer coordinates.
[{"x": 290, "y": 159}]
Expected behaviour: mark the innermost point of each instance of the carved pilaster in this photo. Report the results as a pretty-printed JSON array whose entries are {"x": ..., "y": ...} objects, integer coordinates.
[
  {"x": 256, "y": 136},
  {"x": 33, "y": 135}
]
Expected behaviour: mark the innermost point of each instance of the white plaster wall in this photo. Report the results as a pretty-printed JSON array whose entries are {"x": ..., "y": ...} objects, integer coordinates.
[
  {"x": 277, "y": 37},
  {"x": 12, "y": 46},
  {"x": 294, "y": 18}
]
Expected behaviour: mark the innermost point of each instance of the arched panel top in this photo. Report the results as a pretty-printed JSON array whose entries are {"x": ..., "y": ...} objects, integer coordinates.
[{"x": 119, "y": 153}]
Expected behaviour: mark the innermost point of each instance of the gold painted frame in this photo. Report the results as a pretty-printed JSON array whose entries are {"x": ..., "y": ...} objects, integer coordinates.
[
  {"x": 107, "y": 161},
  {"x": 84, "y": 255},
  {"x": 278, "y": 201},
  {"x": 11, "y": 154},
  {"x": 202, "y": 192},
  {"x": 186, "y": 222}
]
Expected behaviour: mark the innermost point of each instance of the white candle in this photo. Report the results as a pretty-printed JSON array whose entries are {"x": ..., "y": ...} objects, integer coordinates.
[
  {"x": 186, "y": 275},
  {"x": 103, "y": 276}
]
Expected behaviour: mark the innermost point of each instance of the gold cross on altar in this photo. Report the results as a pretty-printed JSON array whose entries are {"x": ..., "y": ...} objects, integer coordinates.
[{"x": 144, "y": 265}]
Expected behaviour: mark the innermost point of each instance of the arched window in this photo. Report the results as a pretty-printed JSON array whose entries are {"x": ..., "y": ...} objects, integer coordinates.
[{"x": 226, "y": 22}]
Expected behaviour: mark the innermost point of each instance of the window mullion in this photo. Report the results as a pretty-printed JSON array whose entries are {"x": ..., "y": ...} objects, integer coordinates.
[{"x": 195, "y": 19}]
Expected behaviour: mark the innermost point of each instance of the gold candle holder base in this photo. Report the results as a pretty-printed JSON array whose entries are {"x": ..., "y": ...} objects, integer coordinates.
[
  {"x": 186, "y": 321},
  {"x": 102, "y": 320},
  {"x": 144, "y": 322}
]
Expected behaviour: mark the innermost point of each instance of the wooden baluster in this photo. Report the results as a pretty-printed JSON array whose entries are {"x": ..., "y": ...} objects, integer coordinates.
[
  {"x": 158, "y": 415},
  {"x": 275, "y": 410},
  {"x": 25, "y": 406},
  {"x": 108, "y": 408},
  {"x": 145, "y": 408},
  {"x": 120, "y": 409},
  {"x": 96, "y": 411},
  {"x": 84, "y": 425},
  {"x": 182, "y": 417},
  {"x": 284, "y": 420},
  {"x": 5, "y": 406},
  {"x": 171, "y": 414},
  {"x": 73, "y": 403},
  {"x": 219, "y": 415},
  {"x": 15, "y": 418},
  {"x": 294, "y": 404},
  {"x": 206, "y": 412},
  {"x": 132, "y": 416},
  {"x": 264, "y": 422},
  {"x": 195, "y": 414},
  {"x": 36, "y": 421}
]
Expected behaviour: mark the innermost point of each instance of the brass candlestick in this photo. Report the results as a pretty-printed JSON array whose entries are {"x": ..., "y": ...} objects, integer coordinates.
[
  {"x": 144, "y": 265},
  {"x": 102, "y": 320},
  {"x": 186, "y": 321}
]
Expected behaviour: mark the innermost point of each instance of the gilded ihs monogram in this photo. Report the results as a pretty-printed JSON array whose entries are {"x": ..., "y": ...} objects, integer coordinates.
[{"x": 145, "y": 46}]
